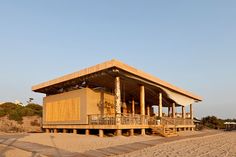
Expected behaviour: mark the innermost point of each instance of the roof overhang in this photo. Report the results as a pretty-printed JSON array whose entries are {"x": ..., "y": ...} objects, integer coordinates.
[{"x": 126, "y": 71}]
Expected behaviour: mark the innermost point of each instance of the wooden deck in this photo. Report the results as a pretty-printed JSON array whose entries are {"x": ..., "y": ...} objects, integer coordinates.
[{"x": 164, "y": 126}]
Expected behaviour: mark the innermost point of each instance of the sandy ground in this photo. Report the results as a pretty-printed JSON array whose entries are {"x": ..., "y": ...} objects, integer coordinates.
[
  {"x": 8, "y": 151},
  {"x": 81, "y": 143},
  {"x": 223, "y": 144},
  {"x": 219, "y": 145}
]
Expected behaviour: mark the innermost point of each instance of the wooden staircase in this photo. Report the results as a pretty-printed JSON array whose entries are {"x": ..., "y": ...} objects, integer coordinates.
[{"x": 164, "y": 131}]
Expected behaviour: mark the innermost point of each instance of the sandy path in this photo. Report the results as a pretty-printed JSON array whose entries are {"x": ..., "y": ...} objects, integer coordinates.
[
  {"x": 219, "y": 145},
  {"x": 82, "y": 143}
]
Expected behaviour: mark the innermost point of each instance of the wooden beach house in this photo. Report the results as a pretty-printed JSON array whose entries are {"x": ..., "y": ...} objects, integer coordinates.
[{"x": 113, "y": 96}]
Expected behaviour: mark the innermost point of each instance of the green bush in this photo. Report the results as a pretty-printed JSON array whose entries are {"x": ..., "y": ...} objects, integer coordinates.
[
  {"x": 36, "y": 108},
  {"x": 17, "y": 112},
  {"x": 26, "y": 111},
  {"x": 2, "y": 113},
  {"x": 14, "y": 115}
]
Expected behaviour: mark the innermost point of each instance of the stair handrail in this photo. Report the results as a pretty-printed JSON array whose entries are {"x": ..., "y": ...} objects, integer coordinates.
[{"x": 168, "y": 121}]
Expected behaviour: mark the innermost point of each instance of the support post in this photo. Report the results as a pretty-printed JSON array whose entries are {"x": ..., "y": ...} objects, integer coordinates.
[
  {"x": 142, "y": 100},
  {"x": 173, "y": 110},
  {"x": 169, "y": 108},
  {"x": 160, "y": 105},
  {"x": 74, "y": 131},
  {"x": 55, "y": 130},
  {"x": 117, "y": 100},
  {"x": 64, "y": 131},
  {"x": 133, "y": 106},
  {"x": 183, "y": 112},
  {"x": 101, "y": 133},
  {"x": 118, "y": 132},
  {"x": 142, "y": 107},
  {"x": 148, "y": 110},
  {"x": 191, "y": 111},
  {"x": 131, "y": 132},
  {"x": 143, "y": 132},
  {"x": 87, "y": 132},
  {"x": 47, "y": 130}
]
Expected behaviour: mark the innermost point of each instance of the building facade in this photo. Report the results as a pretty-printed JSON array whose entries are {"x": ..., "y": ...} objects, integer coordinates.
[{"x": 113, "y": 96}]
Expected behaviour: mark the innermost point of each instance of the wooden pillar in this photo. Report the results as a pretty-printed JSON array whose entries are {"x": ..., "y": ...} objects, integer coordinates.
[
  {"x": 191, "y": 111},
  {"x": 47, "y": 130},
  {"x": 101, "y": 133},
  {"x": 173, "y": 110},
  {"x": 169, "y": 108},
  {"x": 143, "y": 132},
  {"x": 133, "y": 106},
  {"x": 142, "y": 107},
  {"x": 131, "y": 132},
  {"x": 117, "y": 100},
  {"x": 148, "y": 110},
  {"x": 183, "y": 112},
  {"x": 118, "y": 132},
  {"x": 64, "y": 131},
  {"x": 55, "y": 130},
  {"x": 74, "y": 131},
  {"x": 87, "y": 132},
  {"x": 160, "y": 105},
  {"x": 142, "y": 100}
]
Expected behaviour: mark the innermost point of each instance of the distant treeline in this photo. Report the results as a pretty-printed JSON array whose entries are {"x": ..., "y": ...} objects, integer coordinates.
[
  {"x": 214, "y": 122},
  {"x": 17, "y": 112}
]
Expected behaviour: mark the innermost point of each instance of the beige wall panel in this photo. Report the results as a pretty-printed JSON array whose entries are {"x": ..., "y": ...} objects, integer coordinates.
[
  {"x": 99, "y": 102},
  {"x": 69, "y": 107}
]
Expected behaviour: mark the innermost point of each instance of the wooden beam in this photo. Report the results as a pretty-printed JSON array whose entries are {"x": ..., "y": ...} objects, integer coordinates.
[
  {"x": 160, "y": 105},
  {"x": 142, "y": 100}
]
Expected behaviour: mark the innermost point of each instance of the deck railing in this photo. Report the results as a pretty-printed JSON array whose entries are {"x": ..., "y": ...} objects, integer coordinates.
[
  {"x": 111, "y": 119},
  {"x": 135, "y": 119},
  {"x": 179, "y": 121}
]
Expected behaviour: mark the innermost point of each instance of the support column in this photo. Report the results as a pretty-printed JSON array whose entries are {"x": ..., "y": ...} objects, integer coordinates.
[
  {"x": 101, "y": 133},
  {"x": 87, "y": 132},
  {"x": 55, "y": 130},
  {"x": 47, "y": 130},
  {"x": 183, "y": 112},
  {"x": 191, "y": 111},
  {"x": 142, "y": 100},
  {"x": 131, "y": 132},
  {"x": 142, "y": 106},
  {"x": 173, "y": 110},
  {"x": 117, "y": 100},
  {"x": 160, "y": 105},
  {"x": 133, "y": 106},
  {"x": 118, "y": 132},
  {"x": 169, "y": 111},
  {"x": 64, "y": 131},
  {"x": 143, "y": 132},
  {"x": 148, "y": 110},
  {"x": 74, "y": 131}
]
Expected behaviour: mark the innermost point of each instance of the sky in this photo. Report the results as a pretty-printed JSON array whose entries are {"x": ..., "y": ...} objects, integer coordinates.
[{"x": 191, "y": 44}]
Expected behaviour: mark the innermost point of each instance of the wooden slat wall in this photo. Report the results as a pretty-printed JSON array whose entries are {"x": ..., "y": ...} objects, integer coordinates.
[{"x": 63, "y": 110}]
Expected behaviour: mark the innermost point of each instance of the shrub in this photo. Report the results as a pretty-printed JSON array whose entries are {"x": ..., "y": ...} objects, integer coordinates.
[
  {"x": 37, "y": 109},
  {"x": 2, "y": 113},
  {"x": 14, "y": 115}
]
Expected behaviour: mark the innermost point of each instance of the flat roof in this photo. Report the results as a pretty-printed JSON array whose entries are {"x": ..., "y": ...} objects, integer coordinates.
[{"x": 120, "y": 65}]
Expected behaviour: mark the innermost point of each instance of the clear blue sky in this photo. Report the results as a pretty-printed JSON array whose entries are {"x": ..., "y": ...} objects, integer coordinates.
[{"x": 191, "y": 44}]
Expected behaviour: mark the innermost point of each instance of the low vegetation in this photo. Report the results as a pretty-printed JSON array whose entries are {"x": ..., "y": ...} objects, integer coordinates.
[
  {"x": 17, "y": 112},
  {"x": 214, "y": 122}
]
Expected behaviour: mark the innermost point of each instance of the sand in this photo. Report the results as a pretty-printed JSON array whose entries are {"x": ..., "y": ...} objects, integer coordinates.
[
  {"x": 82, "y": 143},
  {"x": 220, "y": 145}
]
